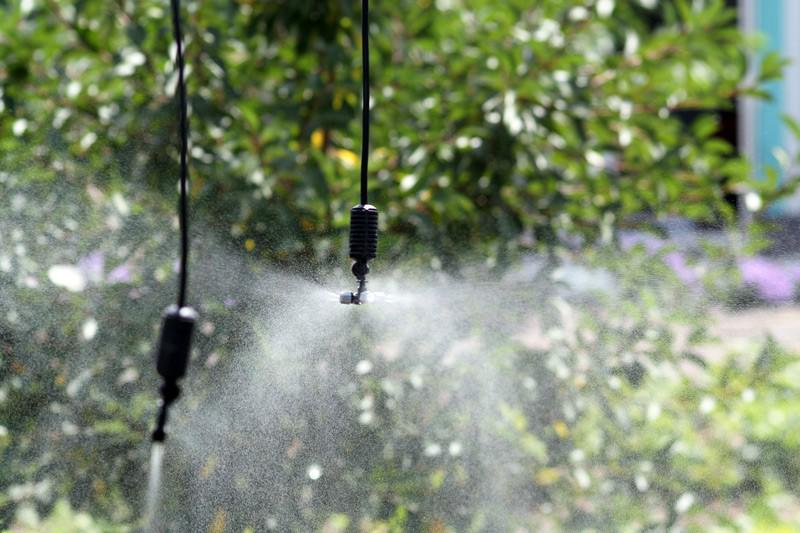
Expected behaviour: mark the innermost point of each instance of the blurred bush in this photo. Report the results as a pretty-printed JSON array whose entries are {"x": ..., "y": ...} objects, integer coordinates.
[{"x": 497, "y": 127}]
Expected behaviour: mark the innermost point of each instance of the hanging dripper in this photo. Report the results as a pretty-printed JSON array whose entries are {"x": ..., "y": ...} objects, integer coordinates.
[
  {"x": 363, "y": 217},
  {"x": 174, "y": 347}
]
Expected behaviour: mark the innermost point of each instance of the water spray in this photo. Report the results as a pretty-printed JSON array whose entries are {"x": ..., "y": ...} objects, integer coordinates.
[
  {"x": 363, "y": 217},
  {"x": 174, "y": 347}
]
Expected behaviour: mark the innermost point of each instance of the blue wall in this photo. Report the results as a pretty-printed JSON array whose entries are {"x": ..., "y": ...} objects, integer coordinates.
[{"x": 769, "y": 126}]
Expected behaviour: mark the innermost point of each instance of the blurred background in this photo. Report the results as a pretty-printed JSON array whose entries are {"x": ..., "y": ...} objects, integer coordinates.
[{"x": 590, "y": 206}]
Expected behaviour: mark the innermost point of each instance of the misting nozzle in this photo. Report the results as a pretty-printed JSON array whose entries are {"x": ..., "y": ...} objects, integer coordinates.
[
  {"x": 361, "y": 296},
  {"x": 354, "y": 298},
  {"x": 169, "y": 393},
  {"x": 363, "y": 248},
  {"x": 172, "y": 358}
]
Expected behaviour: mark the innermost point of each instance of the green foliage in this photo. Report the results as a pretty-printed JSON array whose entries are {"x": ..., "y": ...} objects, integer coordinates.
[
  {"x": 62, "y": 519},
  {"x": 496, "y": 127}
]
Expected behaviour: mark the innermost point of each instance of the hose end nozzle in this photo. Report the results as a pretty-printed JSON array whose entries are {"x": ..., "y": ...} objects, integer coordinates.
[
  {"x": 355, "y": 298},
  {"x": 172, "y": 359},
  {"x": 174, "y": 347},
  {"x": 363, "y": 248},
  {"x": 363, "y": 232},
  {"x": 169, "y": 393}
]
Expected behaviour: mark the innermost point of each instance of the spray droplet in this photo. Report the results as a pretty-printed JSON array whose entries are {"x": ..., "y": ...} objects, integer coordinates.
[
  {"x": 433, "y": 449},
  {"x": 314, "y": 472},
  {"x": 154, "y": 486},
  {"x": 364, "y": 367},
  {"x": 89, "y": 329}
]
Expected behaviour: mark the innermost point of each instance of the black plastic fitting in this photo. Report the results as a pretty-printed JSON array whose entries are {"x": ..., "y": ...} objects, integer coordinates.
[
  {"x": 363, "y": 248},
  {"x": 363, "y": 233},
  {"x": 172, "y": 359},
  {"x": 174, "y": 347},
  {"x": 169, "y": 393}
]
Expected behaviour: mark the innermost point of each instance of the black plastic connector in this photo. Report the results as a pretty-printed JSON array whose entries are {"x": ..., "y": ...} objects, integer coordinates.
[
  {"x": 363, "y": 248},
  {"x": 169, "y": 393},
  {"x": 172, "y": 359},
  {"x": 363, "y": 233},
  {"x": 174, "y": 347}
]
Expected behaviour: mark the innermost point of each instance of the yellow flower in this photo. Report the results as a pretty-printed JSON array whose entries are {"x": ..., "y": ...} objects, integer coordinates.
[
  {"x": 218, "y": 525},
  {"x": 548, "y": 476},
  {"x": 346, "y": 157},
  {"x": 317, "y": 138},
  {"x": 561, "y": 429},
  {"x": 208, "y": 468}
]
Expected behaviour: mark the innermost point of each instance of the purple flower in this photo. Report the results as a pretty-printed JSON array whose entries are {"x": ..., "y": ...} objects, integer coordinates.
[
  {"x": 772, "y": 282},
  {"x": 793, "y": 271},
  {"x": 677, "y": 263},
  {"x": 229, "y": 302},
  {"x": 630, "y": 239},
  {"x": 121, "y": 274},
  {"x": 92, "y": 265}
]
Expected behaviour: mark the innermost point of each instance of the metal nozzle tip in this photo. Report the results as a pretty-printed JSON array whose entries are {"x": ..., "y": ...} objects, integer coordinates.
[{"x": 346, "y": 298}]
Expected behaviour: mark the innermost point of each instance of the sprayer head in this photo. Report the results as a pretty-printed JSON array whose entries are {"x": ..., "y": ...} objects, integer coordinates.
[
  {"x": 361, "y": 296},
  {"x": 363, "y": 233},
  {"x": 355, "y": 298},
  {"x": 169, "y": 393},
  {"x": 363, "y": 248},
  {"x": 172, "y": 359},
  {"x": 175, "y": 344}
]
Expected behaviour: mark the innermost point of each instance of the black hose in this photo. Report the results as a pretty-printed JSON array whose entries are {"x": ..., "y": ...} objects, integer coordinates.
[
  {"x": 174, "y": 346},
  {"x": 365, "y": 97},
  {"x": 183, "y": 209}
]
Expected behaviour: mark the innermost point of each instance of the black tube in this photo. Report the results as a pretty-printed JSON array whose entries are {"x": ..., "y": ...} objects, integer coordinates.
[
  {"x": 365, "y": 100},
  {"x": 183, "y": 114}
]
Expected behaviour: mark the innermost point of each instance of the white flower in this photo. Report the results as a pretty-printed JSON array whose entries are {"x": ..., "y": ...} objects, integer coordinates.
[
  {"x": 19, "y": 127},
  {"x": 605, "y": 8},
  {"x": 68, "y": 276},
  {"x": 684, "y": 502}
]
